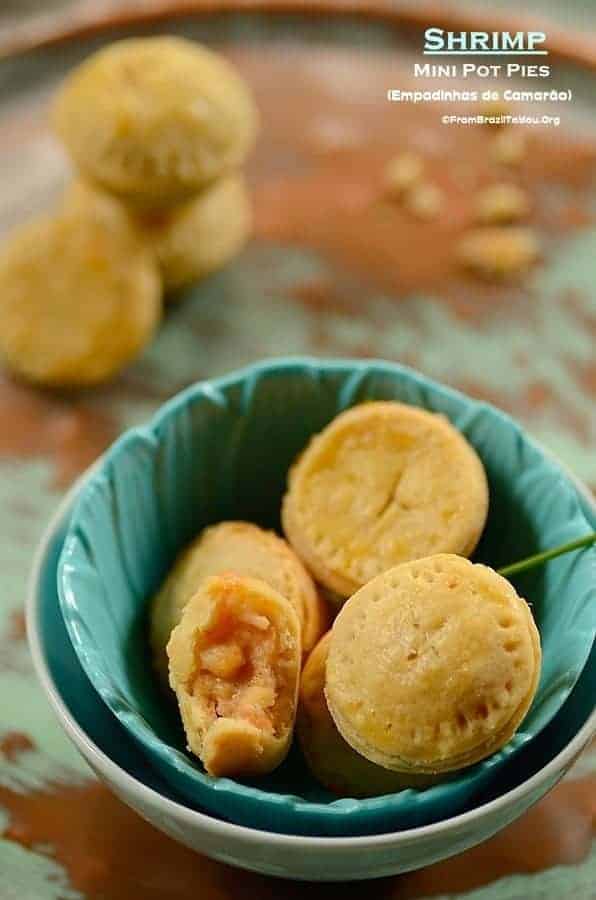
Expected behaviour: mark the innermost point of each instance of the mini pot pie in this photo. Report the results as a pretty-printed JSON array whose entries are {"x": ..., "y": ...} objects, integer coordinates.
[
  {"x": 201, "y": 235},
  {"x": 189, "y": 240},
  {"x": 330, "y": 758},
  {"x": 432, "y": 665},
  {"x": 155, "y": 119},
  {"x": 244, "y": 549},
  {"x": 80, "y": 296},
  {"x": 234, "y": 662},
  {"x": 383, "y": 483}
]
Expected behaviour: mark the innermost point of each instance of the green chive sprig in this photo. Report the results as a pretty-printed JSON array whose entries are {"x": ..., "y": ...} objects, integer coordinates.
[{"x": 540, "y": 558}]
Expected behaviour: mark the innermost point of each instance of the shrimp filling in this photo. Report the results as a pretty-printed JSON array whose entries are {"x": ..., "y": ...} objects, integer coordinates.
[{"x": 243, "y": 669}]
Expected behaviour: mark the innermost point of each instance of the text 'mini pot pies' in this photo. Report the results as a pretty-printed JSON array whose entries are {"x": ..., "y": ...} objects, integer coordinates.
[
  {"x": 382, "y": 484},
  {"x": 245, "y": 549},
  {"x": 155, "y": 119},
  {"x": 432, "y": 666},
  {"x": 234, "y": 662},
  {"x": 330, "y": 758}
]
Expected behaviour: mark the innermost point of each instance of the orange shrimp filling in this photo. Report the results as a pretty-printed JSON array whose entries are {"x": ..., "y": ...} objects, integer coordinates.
[{"x": 238, "y": 657}]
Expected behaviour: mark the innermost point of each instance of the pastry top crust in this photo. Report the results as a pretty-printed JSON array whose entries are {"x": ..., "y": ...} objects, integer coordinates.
[
  {"x": 245, "y": 549},
  {"x": 432, "y": 665},
  {"x": 79, "y": 297},
  {"x": 382, "y": 484},
  {"x": 155, "y": 117}
]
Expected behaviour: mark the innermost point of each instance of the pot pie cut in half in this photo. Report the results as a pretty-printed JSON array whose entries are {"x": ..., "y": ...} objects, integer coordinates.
[
  {"x": 432, "y": 666},
  {"x": 383, "y": 483},
  {"x": 234, "y": 663},
  {"x": 245, "y": 549},
  {"x": 330, "y": 758},
  {"x": 155, "y": 119}
]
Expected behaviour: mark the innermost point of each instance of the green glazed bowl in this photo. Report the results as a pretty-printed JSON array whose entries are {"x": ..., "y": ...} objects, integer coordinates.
[{"x": 221, "y": 450}]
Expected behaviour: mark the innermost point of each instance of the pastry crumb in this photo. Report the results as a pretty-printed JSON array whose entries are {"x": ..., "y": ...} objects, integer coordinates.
[
  {"x": 508, "y": 148},
  {"x": 499, "y": 253},
  {"x": 424, "y": 201},
  {"x": 501, "y": 203},
  {"x": 402, "y": 173}
]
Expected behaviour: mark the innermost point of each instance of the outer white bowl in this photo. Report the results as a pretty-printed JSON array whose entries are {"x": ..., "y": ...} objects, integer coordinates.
[{"x": 313, "y": 858}]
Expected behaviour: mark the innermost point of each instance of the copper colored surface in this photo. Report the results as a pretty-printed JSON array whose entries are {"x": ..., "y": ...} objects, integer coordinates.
[{"x": 126, "y": 853}]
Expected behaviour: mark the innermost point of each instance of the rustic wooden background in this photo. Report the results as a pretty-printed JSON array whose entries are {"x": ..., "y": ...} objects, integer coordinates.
[{"x": 333, "y": 270}]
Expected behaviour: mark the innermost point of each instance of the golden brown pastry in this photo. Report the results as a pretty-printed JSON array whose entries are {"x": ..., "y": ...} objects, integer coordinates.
[
  {"x": 234, "y": 665},
  {"x": 382, "y": 484},
  {"x": 432, "y": 665},
  {"x": 331, "y": 759},
  {"x": 191, "y": 239},
  {"x": 80, "y": 296},
  {"x": 155, "y": 119},
  {"x": 245, "y": 549}
]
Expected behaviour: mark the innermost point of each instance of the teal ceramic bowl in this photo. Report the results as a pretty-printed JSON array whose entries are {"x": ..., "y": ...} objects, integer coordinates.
[
  {"x": 221, "y": 450},
  {"x": 115, "y": 757}
]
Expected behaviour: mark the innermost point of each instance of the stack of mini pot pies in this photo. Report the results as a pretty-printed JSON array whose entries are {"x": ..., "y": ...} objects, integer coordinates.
[{"x": 157, "y": 129}]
